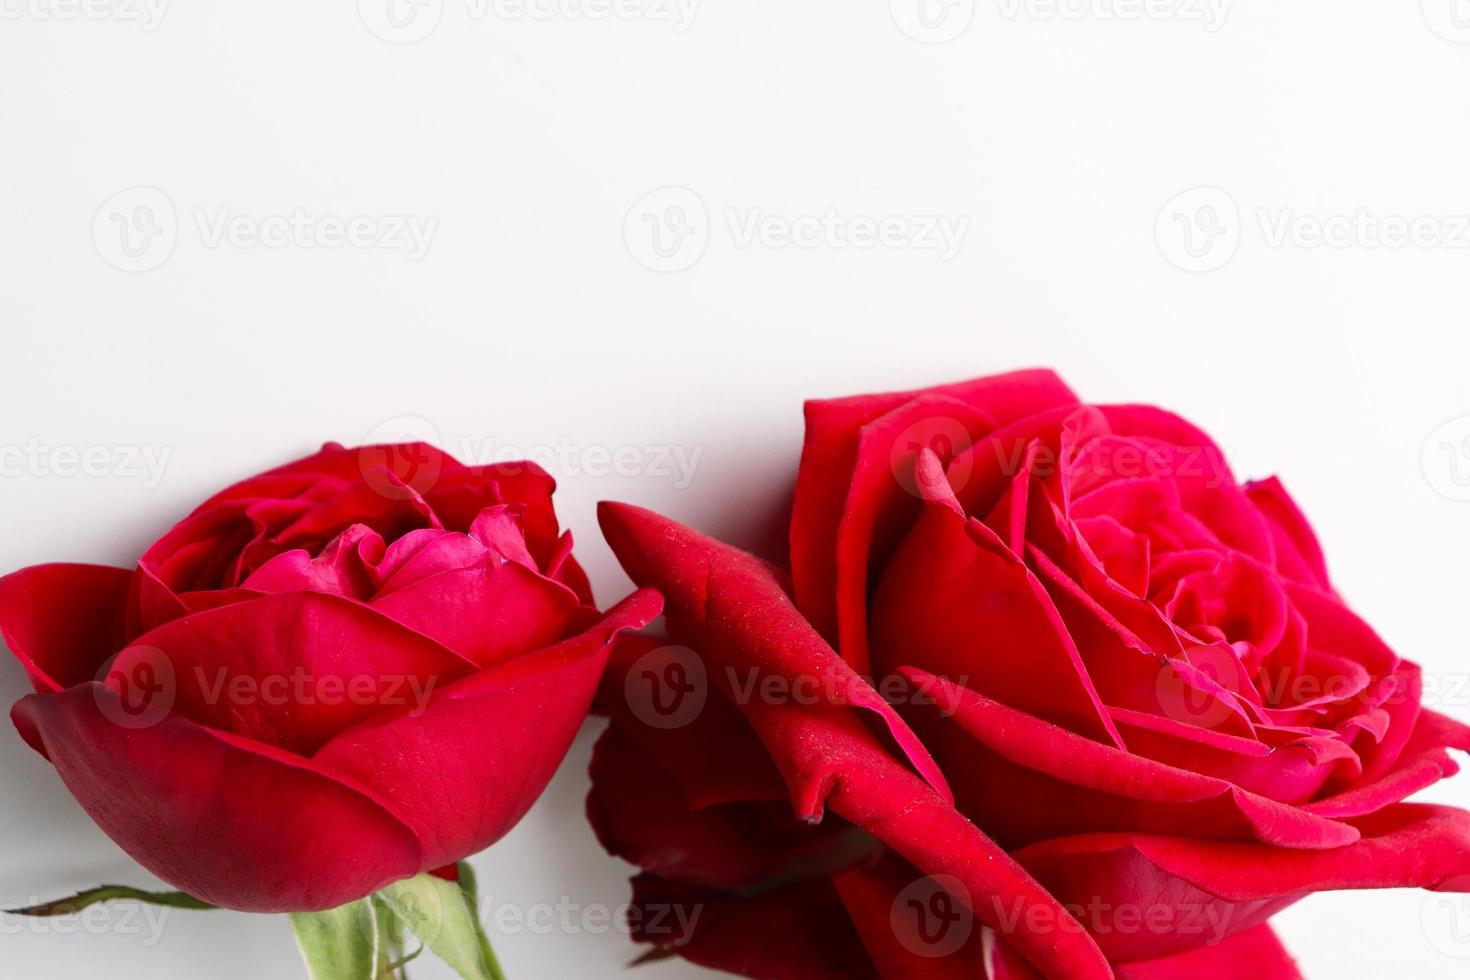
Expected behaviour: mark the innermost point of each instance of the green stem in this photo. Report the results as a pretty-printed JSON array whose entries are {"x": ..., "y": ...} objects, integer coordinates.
[{"x": 496, "y": 973}]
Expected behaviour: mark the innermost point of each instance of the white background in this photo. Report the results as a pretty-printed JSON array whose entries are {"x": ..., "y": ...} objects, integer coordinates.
[{"x": 532, "y": 321}]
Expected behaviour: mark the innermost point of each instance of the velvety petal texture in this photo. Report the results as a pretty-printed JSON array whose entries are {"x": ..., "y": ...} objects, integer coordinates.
[
  {"x": 1050, "y": 693},
  {"x": 354, "y": 668}
]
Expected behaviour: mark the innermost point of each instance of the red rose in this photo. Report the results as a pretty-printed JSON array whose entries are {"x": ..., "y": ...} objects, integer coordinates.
[
  {"x": 343, "y": 672},
  {"x": 1131, "y": 718}
]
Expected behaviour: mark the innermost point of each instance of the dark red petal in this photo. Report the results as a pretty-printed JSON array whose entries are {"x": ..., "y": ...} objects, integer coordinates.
[
  {"x": 799, "y": 932},
  {"x": 229, "y": 821},
  {"x": 908, "y": 928},
  {"x": 745, "y": 621},
  {"x": 712, "y": 756},
  {"x": 642, "y": 815}
]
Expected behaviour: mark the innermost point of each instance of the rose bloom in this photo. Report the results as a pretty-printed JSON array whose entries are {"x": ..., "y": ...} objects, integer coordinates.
[
  {"x": 1047, "y": 693},
  {"x": 363, "y": 665}
]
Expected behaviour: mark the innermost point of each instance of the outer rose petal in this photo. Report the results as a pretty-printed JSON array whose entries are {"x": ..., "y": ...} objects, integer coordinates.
[
  {"x": 702, "y": 804},
  {"x": 1254, "y": 953},
  {"x": 742, "y": 771},
  {"x": 462, "y": 771},
  {"x": 875, "y": 899},
  {"x": 232, "y": 822},
  {"x": 640, "y": 815},
  {"x": 62, "y": 622},
  {"x": 799, "y": 932},
  {"x": 1231, "y": 887},
  {"x": 722, "y": 593},
  {"x": 834, "y": 451}
]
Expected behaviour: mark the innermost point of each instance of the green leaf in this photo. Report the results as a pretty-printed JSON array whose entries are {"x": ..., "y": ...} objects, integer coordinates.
[
  {"x": 339, "y": 944},
  {"x": 443, "y": 916},
  {"x": 107, "y": 893},
  {"x": 468, "y": 884}
]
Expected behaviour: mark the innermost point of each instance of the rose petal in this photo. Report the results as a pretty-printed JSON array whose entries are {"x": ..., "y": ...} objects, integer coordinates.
[
  {"x": 1291, "y": 772},
  {"x": 346, "y": 567},
  {"x": 800, "y": 932},
  {"x": 956, "y": 602},
  {"x": 290, "y": 669},
  {"x": 463, "y": 768},
  {"x": 1254, "y": 953},
  {"x": 879, "y": 900},
  {"x": 1026, "y": 780},
  {"x": 1233, "y": 886},
  {"x": 62, "y": 622},
  {"x": 747, "y": 623},
  {"x": 1298, "y": 554},
  {"x": 204, "y": 810},
  {"x": 487, "y": 613},
  {"x": 832, "y": 452}
]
